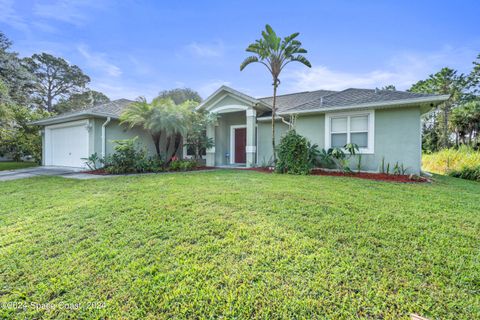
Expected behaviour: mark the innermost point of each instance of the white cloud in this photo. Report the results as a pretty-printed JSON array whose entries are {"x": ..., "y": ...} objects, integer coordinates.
[
  {"x": 402, "y": 70},
  {"x": 9, "y": 16},
  {"x": 76, "y": 12},
  {"x": 99, "y": 61},
  {"x": 209, "y": 87},
  {"x": 203, "y": 50}
]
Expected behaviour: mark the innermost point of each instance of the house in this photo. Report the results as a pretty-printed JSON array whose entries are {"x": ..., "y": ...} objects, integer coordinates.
[
  {"x": 385, "y": 124},
  {"x": 69, "y": 137}
]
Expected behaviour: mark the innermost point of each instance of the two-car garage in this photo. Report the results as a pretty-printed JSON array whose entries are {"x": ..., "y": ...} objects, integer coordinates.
[{"x": 66, "y": 144}]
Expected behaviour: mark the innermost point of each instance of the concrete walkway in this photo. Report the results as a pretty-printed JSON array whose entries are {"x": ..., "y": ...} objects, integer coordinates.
[{"x": 65, "y": 172}]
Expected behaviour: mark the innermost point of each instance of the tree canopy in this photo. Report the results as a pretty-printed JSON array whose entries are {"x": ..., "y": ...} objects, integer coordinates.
[
  {"x": 55, "y": 78},
  {"x": 180, "y": 95}
]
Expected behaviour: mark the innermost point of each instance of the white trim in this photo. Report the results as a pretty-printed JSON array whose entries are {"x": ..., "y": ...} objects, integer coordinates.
[
  {"x": 386, "y": 104},
  {"x": 229, "y": 108},
  {"x": 232, "y": 141},
  {"x": 251, "y": 149},
  {"x": 371, "y": 128},
  {"x": 251, "y": 113},
  {"x": 104, "y": 137}
]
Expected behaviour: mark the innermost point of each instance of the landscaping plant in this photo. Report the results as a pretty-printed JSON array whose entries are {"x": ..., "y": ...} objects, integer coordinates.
[
  {"x": 294, "y": 154},
  {"x": 275, "y": 53}
]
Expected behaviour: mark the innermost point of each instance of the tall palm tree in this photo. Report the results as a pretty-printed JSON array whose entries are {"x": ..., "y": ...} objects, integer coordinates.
[{"x": 275, "y": 53}]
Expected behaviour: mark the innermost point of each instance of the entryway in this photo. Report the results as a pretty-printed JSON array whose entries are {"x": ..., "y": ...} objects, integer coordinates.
[{"x": 238, "y": 145}]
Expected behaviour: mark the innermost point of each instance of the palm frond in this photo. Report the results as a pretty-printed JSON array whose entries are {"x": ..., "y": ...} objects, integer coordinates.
[
  {"x": 302, "y": 60},
  {"x": 247, "y": 61}
]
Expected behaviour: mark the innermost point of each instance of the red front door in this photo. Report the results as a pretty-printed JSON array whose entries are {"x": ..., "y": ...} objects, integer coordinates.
[{"x": 240, "y": 144}]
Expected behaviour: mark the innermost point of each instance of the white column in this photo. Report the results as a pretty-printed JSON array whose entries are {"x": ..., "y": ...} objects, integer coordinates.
[
  {"x": 251, "y": 148},
  {"x": 211, "y": 152}
]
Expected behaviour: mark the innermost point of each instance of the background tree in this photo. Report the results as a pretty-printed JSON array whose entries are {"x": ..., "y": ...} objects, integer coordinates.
[
  {"x": 55, "y": 78},
  {"x": 465, "y": 122},
  {"x": 389, "y": 87},
  {"x": 275, "y": 53},
  {"x": 446, "y": 81},
  {"x": 196, "y": 138},
  {"x": 180, "y": 95},
  {"x": 14, "y": 73},
  {"x": 79, "y": 101}
]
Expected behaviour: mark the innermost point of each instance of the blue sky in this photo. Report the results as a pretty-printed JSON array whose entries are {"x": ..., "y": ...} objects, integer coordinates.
[{"x": 133, "y": 48}]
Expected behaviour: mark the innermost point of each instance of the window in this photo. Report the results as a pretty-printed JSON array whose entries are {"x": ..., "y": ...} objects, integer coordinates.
[{"x": 341, "y": 129}]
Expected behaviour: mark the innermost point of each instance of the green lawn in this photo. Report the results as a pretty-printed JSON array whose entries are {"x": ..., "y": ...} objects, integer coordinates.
[
  {"x": 239, "y": 244},
  {"x": 9, "y": 165}
]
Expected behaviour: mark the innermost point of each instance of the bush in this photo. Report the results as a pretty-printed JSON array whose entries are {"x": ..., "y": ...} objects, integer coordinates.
[
  {"x": 447, "y": 160},
  {"x": 469, "y": 173},
  {"x": 129, "y": 157},
  {"x": 183, "y": 165},
  {"x": 294, "y": 154}
]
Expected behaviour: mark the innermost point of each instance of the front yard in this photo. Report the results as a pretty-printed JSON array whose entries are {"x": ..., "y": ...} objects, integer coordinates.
[{"x": 239, "y": 244}]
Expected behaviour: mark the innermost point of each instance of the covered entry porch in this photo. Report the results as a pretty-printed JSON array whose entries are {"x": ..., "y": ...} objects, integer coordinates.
[{"x": 234, "y": 134}]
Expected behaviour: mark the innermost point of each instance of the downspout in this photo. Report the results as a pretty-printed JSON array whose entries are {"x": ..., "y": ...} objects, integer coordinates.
[{"x": 104, "y": 140}]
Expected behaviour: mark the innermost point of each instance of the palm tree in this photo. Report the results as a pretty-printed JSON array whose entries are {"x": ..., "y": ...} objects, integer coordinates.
[
  {"x": 145, "y": 115},
  {"x": 275, "y": 53},
  {"x": 161, "y": 117}
]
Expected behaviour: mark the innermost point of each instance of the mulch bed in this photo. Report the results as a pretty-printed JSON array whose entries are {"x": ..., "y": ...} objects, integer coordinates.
[
  {"x": 102, "y": 172},
  {"x": 372, "y": 176},
  {"x": 360, "y": 175}
]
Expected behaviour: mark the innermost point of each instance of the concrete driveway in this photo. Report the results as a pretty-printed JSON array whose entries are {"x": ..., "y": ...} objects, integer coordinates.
[{"x": 66, "y": 172}]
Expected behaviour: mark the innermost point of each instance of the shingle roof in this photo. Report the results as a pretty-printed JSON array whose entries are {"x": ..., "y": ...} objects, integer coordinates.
[
  {"x": 114, "y": 107},
  {"x": 288, "y": 101},
  {"x": 110, "y": 109},
  {"x": 352, "y": 96}
]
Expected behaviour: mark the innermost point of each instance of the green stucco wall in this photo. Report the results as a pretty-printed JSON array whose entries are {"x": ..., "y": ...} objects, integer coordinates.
[
  {"x": 264, "y": 139},
  {"x": 397, "y": 138}
]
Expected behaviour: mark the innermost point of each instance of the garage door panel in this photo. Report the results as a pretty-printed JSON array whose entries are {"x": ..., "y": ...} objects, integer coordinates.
[{"x": 68, "y": 145}]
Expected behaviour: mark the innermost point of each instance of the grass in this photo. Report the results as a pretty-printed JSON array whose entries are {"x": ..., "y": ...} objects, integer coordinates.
[
  {"x": 239, "y": 244},
  {"x": 451, "y": 160},
  {"x": 10, "y": 165}
]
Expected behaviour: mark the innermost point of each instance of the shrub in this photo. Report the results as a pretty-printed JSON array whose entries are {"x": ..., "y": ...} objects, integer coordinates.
[
  {"x": 182, "y": 165},
  {"x": 469, "y": 173},
  {"x": 447, "y": 160},
  {"x": 130, "y": 157},
  {"x": 293, "y": 154}
]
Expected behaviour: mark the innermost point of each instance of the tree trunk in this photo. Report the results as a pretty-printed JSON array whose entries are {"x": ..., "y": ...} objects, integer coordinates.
[
  {"x": 176, "y": 144},
  {"x": 156, "y": 141},
  {"x": 446, "y": 137},
  {"x": 275, "y": 83}
]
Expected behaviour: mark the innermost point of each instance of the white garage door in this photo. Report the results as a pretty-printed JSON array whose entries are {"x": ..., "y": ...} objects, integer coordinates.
[{"x": 66, "y": 146}]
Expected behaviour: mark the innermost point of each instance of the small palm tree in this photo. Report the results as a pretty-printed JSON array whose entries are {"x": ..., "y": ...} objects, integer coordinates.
[
  {"x": 145, "y": 115},
  {"x": 275, "y": 53}
]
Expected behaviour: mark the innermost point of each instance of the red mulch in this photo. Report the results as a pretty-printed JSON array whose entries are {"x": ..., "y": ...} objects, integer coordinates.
[
  {"x": 102, "y": 172},
  {"x": 371, "y": 176},
  {"x": 360, "y": 175}
]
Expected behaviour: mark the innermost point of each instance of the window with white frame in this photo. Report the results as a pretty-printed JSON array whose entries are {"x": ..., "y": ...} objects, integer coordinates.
[{"x": 344, "y": 128}]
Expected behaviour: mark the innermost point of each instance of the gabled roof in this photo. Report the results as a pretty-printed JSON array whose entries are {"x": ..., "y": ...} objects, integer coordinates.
[
  {"x": 111, "y": 109},
  {"x": 224, "y": 89},
  {"x": 328, "y": 100}
]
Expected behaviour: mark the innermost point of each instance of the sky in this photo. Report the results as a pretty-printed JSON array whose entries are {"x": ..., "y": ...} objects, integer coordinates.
[{"x": 138, "y": 48}]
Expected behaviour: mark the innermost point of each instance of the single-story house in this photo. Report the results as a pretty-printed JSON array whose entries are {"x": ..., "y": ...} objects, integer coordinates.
[{"x": 384, "y": 124}]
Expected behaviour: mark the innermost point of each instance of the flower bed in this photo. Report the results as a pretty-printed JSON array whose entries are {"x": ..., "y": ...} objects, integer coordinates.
[
  {"x": 361, "y": 175},
  {"x": 372, "y": 176},
  {"x": 103, "y": 172}
]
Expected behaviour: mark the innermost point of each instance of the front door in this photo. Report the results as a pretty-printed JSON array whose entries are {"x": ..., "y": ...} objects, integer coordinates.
[{"x": 240, "y": 144}]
